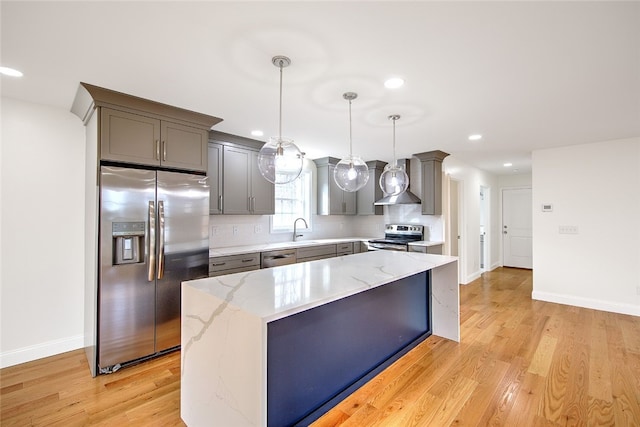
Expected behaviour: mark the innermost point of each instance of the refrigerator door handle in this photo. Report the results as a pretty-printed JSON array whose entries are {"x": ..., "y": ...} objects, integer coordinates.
[
  {"x": 161, "y": 239},
  {"x": 152, "y": 242}
]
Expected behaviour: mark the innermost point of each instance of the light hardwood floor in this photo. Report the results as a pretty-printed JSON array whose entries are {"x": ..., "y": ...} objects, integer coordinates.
[{"x": 520, "y": 363}]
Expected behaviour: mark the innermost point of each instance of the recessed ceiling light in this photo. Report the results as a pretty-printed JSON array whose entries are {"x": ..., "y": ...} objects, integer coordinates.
[
  {"x": 475, "y": 137},
  {"x": 508, "y": 165},
  {"x": 393, "y": 83},
  {"x": 257, "y": 133},
  {"x": 10, "y": 72}
]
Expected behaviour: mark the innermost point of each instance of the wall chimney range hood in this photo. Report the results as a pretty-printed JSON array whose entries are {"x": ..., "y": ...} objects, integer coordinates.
[{"x": 404, "y": 198}]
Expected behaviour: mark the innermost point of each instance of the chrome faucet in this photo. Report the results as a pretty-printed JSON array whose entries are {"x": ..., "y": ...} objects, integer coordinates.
[{"x": 295, "y": 235}]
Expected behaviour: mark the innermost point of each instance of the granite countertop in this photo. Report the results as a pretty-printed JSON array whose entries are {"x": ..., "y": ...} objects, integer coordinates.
[
  {"x": 426, "y": 243},
  {"x": 263, "y": 247},
  {"x": 274, "y": 293}
]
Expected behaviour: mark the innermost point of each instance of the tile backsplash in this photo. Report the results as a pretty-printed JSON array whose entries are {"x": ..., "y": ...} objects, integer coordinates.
[{"x": 239, "y": 230}]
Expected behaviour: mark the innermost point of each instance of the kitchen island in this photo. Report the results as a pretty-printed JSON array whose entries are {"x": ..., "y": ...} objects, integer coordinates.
[{"x": 282, "y": 345}]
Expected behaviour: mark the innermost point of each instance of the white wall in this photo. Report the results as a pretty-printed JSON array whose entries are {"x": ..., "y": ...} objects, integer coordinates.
[
  {"x": 41, "y": 239},
  {"x": 595, "y": 187},
  {"x": 471, "y": 179}
]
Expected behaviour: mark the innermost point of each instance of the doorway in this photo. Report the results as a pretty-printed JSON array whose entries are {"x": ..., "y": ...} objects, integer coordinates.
[{"x": 517, "y": 237}]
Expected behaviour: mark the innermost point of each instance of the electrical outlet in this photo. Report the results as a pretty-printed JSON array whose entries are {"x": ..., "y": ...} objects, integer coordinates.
[
  {"x": 568, "y": 229},
  {"x": 214, "y": 230},
  {"x": 257, "y": 229},
  {"x": 235, "y": 229}
]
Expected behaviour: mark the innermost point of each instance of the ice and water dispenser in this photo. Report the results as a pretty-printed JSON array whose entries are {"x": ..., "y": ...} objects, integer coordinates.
[{"x": 128, "y": 242}]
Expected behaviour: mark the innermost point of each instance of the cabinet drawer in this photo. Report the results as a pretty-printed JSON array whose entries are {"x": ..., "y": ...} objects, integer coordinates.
[
  {"x": 344, "y": 247},
  {"x": 233, "y": 270},
  {"x": 325, "y": 251},
  {"x": 242, "y": 261},
  {"x": 317, "y": 257}
]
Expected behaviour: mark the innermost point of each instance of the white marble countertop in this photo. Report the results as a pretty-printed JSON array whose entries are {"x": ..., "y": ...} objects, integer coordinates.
[
  {"x": 425, "y": 243},
  {"x": 274, "y": 293},
  {"x": 246, "y": 249}
]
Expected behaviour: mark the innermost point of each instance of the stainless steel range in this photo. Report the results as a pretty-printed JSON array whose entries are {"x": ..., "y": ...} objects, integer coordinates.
[{"x": 397, "y": 237}]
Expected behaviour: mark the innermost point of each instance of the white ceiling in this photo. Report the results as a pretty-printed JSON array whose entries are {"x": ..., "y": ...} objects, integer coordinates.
[{"x": 525, "y": 75}]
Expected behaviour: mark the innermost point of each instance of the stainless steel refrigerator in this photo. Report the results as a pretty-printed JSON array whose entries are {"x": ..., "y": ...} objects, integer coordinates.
[{"x": 153, "y": 236}]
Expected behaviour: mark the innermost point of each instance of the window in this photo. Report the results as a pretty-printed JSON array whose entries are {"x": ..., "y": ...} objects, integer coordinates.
[{"x": 293, "y": 200}]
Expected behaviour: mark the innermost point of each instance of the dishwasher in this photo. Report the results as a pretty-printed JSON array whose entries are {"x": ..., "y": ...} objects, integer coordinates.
[{"x": 276, "y": 258}]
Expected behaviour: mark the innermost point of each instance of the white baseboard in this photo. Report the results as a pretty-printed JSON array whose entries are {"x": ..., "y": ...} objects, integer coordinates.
[
  {"x": 471, "y": 277},
  {"x": 38, "y": 351},
  {"x": 629, "y": 309}
]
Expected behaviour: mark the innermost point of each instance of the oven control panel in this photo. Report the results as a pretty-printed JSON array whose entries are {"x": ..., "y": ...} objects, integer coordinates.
[{"x": 404, "y": 229}]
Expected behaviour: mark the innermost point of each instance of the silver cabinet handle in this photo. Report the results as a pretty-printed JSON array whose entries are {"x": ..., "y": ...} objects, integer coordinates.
[
  {"x": 161, "y": 239},
  {"x": 164, "y": 151},
  {"x": 218, "y": 264},
  {"x": 157, "y": 150},
  {"x": 248, "y": 260},
  {"x": 152, "y": 241}
]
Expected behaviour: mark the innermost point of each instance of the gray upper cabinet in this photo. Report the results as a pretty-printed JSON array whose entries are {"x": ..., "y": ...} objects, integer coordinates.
[
  {"x": 243, "y": 189},
  {"x": 183, "y": 147},
  {"x": 140, "y": 131},
  {"x": 214, "y": 172},
  {"x": 431, "y": 175},
  {"x": 263, "y": 198},
  {"x": 332, "y": 200},
  {"x": 371, "y": 192},
  {"x": 135, "y": 138}
]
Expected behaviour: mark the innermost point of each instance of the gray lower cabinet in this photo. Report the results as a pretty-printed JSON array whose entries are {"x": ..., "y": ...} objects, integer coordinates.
[
  {"x": 332, "y": 200},
  {"x": 312, "y": 253},
  {"x": 367, "y": 195},
  {"x": 136, "y": 138},
  {"x": 233, "y": 264},
  {"x": 344, "y": 249},
  {"x": 433, "y": 249},
  {"x": 214, "y": 172}
]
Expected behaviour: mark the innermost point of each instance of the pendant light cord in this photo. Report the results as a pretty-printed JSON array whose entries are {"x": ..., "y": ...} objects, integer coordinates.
[
  {"x": 395, "y": 161},
  {"x": 350, "y": 138},
  {"x": 280, "y": 118}
]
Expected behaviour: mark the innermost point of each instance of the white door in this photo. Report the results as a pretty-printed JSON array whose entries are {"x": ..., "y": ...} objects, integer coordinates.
[{"x": 516, "y": 228}]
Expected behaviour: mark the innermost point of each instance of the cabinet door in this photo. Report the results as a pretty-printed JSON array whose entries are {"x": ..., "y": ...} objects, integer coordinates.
[
  {"x": 350, "y": 202},
  {"x": 236, "y": 181},
  {"x": 262, "y": 191},
  {"x": 336, "y": 201},
  {"x": 214, "y": 172},
  {"x": 127, "y": 137},
  {"x": 183, "y": 147}
]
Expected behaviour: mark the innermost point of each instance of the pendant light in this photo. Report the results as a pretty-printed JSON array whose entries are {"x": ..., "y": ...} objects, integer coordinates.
[
  {"x": 351, "y": 173},
  {"x": 394, "y": 179},
  {"x": 280, "y": 160}
]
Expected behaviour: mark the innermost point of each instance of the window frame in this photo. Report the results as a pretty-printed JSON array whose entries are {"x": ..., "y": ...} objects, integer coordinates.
[{"x": 285, "y": 225}]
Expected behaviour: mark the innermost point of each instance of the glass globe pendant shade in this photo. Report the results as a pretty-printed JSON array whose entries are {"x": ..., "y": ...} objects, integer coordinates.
[
  {"x": 280, "y": 160},
  {"x": 394, "y": 180},
  {"x": 351, "y": 174}
]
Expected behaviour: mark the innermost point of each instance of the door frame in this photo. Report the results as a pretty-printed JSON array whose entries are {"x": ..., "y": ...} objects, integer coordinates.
[
  {"x": 460, "y": 222},
  {"x": 485, "y": 209}
]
